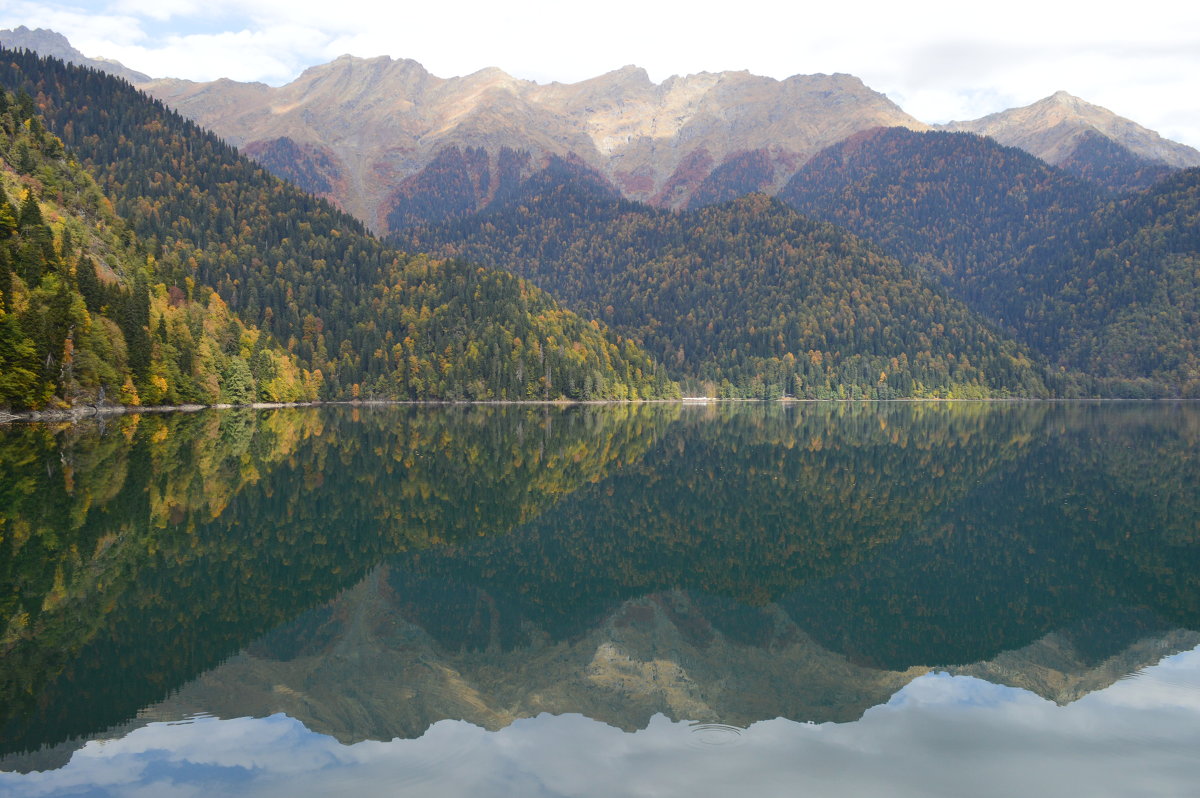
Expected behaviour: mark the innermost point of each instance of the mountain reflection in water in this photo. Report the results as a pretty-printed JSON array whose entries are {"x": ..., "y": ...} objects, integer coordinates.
[{"x": 376, "y": 573}]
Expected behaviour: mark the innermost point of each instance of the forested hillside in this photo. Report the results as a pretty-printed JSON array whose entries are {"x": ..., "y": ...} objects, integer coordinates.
[
  {"x": 956, "y": 204},
  {"x": 1125, "y": 307},
  {"x": 745, "y": 173},
  {"x": 84, "y": 314},
  {"x": 1097, "y": 157},
  {"x": 366, "y": 320},
  {"x": 1101, "y": 286},
  {"x": 456, "y": 183},
  {"x": 747, "y": 298}
]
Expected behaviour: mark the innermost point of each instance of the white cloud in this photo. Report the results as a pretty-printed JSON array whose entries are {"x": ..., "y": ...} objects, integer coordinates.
[
  {"x": 86, "y": 29},
  {"x": 245, "y": 55},
  {"x": 941, "y": 59},
  {"x": 160, "y": 9}
]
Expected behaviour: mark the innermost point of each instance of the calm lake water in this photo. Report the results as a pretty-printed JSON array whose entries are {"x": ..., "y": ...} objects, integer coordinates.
[{"x": 947, "y": 599}]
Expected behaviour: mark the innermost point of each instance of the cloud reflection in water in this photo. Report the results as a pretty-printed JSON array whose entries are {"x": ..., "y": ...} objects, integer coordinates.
[{"x": 940, "y": 735}]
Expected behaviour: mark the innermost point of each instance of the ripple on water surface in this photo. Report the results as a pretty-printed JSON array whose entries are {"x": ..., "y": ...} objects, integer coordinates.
[{"x": 711, "y": 735}]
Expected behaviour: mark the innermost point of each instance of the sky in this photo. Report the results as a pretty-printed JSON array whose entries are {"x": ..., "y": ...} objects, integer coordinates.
[{"x": 938, "y": 59}]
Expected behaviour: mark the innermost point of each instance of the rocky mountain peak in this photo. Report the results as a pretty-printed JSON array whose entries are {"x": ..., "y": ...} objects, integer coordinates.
[
  {"x": 632, "y": 73},
  {"x": 1054, "y": 127},
  {"x": 1063, "y": 98},
  {"x": 1068, "y": 105},
  {"x": 358, "y": 68},
  {"x": 40, "y": 40},
  {"x": 495, "y": 79}
]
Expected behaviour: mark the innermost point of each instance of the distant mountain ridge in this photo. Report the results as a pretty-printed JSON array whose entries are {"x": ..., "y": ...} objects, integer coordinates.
[
  {"x": 1070, "y": 280},
  {"x": 383, "y": 121},
  {"x": 1051, "y": 129},
  {"x": 48, "y": 42},
  {"x": 1065, "y": 131},
  {"x": 380, "y": 129},
  {"x": 370, "y": 134}
]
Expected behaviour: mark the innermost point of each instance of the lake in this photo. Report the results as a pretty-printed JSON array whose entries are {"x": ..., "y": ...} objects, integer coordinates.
[{"x": 829, "y": 599}]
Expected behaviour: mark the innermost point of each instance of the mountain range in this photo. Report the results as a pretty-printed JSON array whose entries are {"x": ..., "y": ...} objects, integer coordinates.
[
  {"x": 373, "y": 126},
  {"x": 364, "y": 131}
]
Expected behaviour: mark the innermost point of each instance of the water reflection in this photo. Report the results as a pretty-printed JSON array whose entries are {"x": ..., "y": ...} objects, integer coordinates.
[
  {"x": 138, "y": 557},
  {"x": 940, "y": 736},
  {"x": 377, "y": 572}
]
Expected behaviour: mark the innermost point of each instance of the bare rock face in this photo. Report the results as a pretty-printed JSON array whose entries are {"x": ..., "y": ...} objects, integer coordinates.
[
  {"x": 385, "y": 121},
  {"x": 1053, "y": 128}
]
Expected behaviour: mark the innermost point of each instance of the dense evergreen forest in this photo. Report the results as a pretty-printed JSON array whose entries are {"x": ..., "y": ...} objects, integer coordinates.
[
  {"x": 958, "y": 205},
  {"x": 745, "y": 299},
  {"x": 84, "y": 314},
  {"x": 1098, "y": 158},
  {"x": 741, "y": 174},
  {"x": 1103, "y": 286},
  {"x": 1125, "y": 307},
  {"x": 360, "y": 319},
  {"x": 1093, "y": 292}
]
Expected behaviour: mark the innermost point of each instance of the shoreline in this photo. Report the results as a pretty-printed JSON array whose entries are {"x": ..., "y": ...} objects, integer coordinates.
[{"x": 84, "y": 412}]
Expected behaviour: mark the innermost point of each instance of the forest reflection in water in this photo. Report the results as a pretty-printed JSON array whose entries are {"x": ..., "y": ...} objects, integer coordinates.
[{"x": 374, "y": 571}]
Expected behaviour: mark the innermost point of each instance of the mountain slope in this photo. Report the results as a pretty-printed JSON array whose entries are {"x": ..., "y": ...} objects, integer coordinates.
[
  {"x": 54, "y": 44},
  {"x": 958, "y": 204},
  {"x": 308, "y": 275},
  {"x": 1064, "y": 130},
  {"x": 1098, "y": 158},
  {"x": 755, "y": 171},
  {"x": 1099, "y": 286},
  {"x": 83, "y": 314},
  {"x": 1131, "y": 297},
  {"x": 749, "y": 297}
]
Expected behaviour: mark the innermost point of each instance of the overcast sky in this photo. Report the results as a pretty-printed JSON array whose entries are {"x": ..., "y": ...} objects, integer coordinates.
[{"x": 939, "y": 59}]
